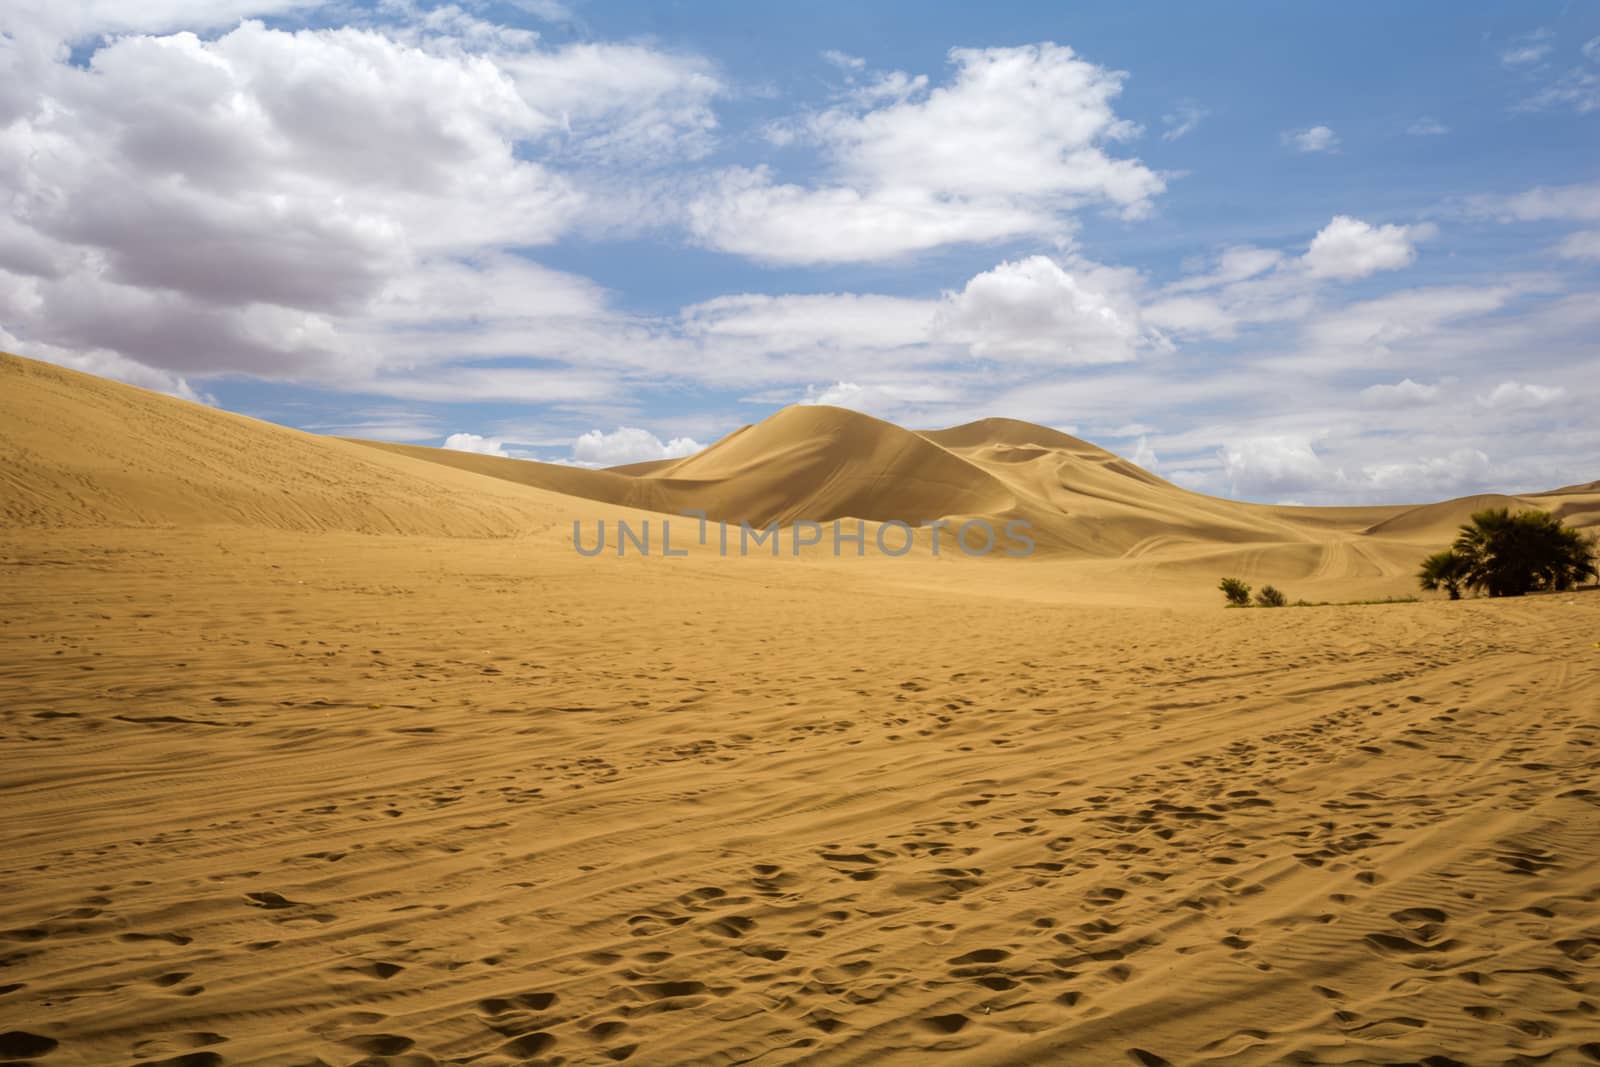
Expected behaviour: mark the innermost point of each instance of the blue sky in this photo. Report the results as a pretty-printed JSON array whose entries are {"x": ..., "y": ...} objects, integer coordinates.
[{"x": 1315, "y": 253}]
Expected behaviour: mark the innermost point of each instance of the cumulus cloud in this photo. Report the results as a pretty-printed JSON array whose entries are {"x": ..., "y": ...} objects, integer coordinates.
[
  {"x": 288, "y": 204},
  {"x": 910, "y": 398},
  {"x": 628, "y": 444},
  {"x": 839, "y": 394},
  {"x": 1432, "y": 476},
  {"x": 1035, "y": 309},
  {"x": 1246, "y": 285},
  {"x": 1312, "y": 139},
  {"x": 1349, "y": 248},
  {"x": 1283, "y": 467},
  {"x": 1272, "y": 466},
  {"x": 1015, "y": 141},
  {"x": 471, "y": 442},
  {"x": 745, "y": 211},
  {"x": 1521, "y": 395},
  {"x": 78, "y": 20},
  {"x": 1427, "y": 127},
  {"x": 1404, "y": 393}
]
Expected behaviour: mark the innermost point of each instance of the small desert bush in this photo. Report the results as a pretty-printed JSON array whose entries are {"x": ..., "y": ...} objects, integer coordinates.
[
  {"x": 1237, "y": 592},
  {"x": 1271, "y": 597}
]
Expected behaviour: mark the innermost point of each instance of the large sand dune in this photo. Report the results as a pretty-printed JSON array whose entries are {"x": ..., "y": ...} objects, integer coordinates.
[{"x": 321, "y": 752}]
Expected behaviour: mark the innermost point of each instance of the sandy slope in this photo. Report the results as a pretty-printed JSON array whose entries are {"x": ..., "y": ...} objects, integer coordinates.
[{"x": 383, "y": 772}]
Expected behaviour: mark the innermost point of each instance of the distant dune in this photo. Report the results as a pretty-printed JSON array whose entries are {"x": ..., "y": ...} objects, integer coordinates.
[{"x": 83, "y": 451}]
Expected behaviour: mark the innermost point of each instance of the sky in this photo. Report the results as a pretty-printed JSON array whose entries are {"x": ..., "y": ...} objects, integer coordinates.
[{"x": 1304, "y": 253}]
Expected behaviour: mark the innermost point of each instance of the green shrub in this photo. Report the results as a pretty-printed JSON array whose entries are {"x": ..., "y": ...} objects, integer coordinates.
[
  {"x": 1510, "y": 555},
  {"x": 1271, "y": 597},
  {"x": 1237, "y": 592},
  {"x": 1444, "y": 570}
]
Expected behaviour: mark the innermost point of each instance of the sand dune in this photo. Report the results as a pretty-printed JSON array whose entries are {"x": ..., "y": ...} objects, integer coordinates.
[
  {"x": 1437, "y": 523},
  {"x": 81, "y": 451},
  {"x": 324, "y": 753},
  {"x": 820, "y": 463}
]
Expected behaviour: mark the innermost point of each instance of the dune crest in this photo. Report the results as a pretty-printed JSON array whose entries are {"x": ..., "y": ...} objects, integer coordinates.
[{"x": 80, "y": 451}]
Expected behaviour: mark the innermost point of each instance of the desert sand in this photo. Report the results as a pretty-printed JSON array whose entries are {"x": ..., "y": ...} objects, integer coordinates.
[{"x": 324, "y": 752}]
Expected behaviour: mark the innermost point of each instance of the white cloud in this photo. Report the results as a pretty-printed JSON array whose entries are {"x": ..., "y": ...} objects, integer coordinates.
[
  {"x": 1231, "y": 265},
  {"x": 792, "y": 323},
  {"x": 325, "y": 204},
  {"x": 1528, "y": 49},
  {"x": 1591, "y": 50},
  {"x": 620, "y": 102},
  {"x": 1585, "y": 244},
  {"x": 1288, "y": 466},
  {"x": 1182, "y": 121},
  {"x": 839, "y": 394},
  {"x": 1404, "y": 393},
  {"x": 1579, "y": 202},
  {"x": 1427, "y": 127},
  {"x": 1272, "y": 466},
  {"x": 1519, "y": 395},
  {"x": 1245, "y": 285},
  {"x": 99, "y": 361},
  {"x": 1313, "y": 139},
  {"x": 910, "y": 399},
  {"x": 1433, "y": 476},
  {"x": 534, "y": 385},
  {"x": 843, "y": 60},
  {"x": 1577, "y": 88},
  {"x": 78, "y": 20},
  {"x": 1192, "y": 316},
  {"x": 628, "y": 444},
  {"x": 548, "y": 10},
  {"x": 1145, "y": 456},
  {"x": 1034, "y": 309},
  {"x": 378, "y": 424},
  {"x": 471, "y": 442},
  {"x": 742, "y": 210},
  {"x": 1388, "y": 320},
  {"x": 1008, "y": 148},
  {"x": 1349, "y": 248}
]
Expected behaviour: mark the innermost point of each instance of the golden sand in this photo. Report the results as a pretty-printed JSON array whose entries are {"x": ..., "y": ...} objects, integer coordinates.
[{"x": 323, "y": 752}]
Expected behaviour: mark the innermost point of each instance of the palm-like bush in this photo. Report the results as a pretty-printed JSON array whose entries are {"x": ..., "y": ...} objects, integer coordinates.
[
  {"x": 1444, "y": 570},
  {"x": 1510, "y": 555}
]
